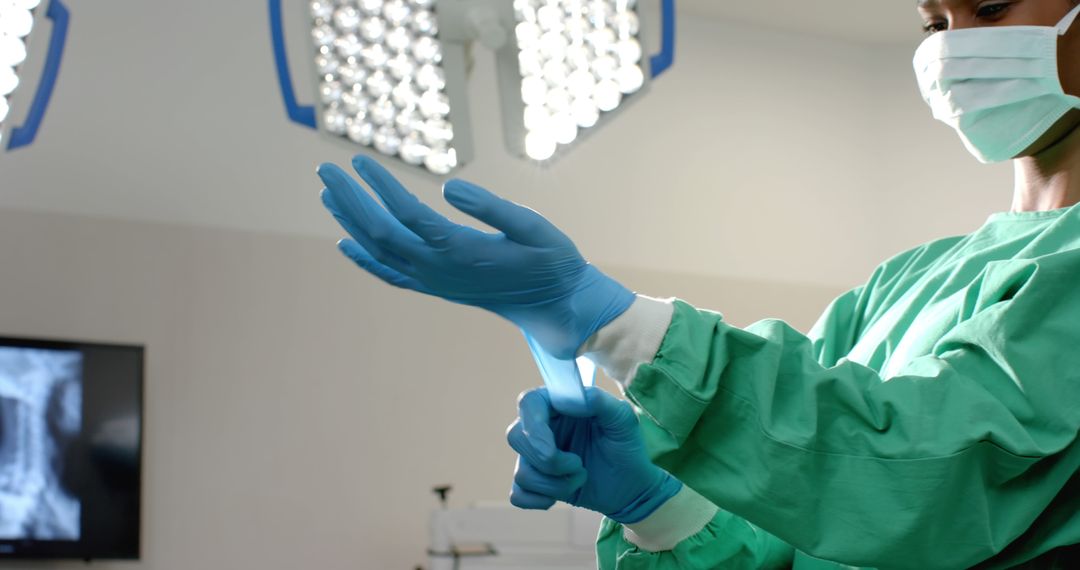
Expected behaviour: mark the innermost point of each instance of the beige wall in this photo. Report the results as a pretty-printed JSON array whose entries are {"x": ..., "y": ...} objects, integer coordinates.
[{"x": 297, "y": 411}]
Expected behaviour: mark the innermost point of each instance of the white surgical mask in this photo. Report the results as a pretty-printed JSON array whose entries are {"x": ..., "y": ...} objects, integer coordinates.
[{"x": 998, "y": 87}]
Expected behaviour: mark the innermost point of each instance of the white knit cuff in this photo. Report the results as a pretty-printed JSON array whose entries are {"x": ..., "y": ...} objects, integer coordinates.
[
  {"x": 685, "y": 515},
  {"x": 630, "y": 340}
]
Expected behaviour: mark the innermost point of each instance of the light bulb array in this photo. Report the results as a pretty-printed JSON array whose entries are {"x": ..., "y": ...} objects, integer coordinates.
[
  {"x": 382, "y": 82},
  {"x": 578, "y": 59}
]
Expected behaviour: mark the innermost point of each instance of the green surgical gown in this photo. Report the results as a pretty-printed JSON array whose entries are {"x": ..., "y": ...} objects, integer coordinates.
[{"x": 928, "y": 420}]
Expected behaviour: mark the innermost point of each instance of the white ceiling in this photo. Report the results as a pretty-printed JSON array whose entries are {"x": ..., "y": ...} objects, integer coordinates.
[{"x": 865, "y": 21}]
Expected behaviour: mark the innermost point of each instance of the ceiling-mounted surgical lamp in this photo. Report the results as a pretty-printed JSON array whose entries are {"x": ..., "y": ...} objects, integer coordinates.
[
  {"x": 391, "y": 74},
  {"x": 18, "y": 21},
  {"x": 572, "y": 65}
]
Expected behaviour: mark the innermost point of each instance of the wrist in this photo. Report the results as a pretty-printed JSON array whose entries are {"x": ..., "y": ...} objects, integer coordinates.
[
  {"x": 598, "y": 301},
  {"x": 631, "y": 340},
  {"x": 682, "y": 517},
  {"x": 563, "y": 324},
  {"x": 663, "y": 489}
]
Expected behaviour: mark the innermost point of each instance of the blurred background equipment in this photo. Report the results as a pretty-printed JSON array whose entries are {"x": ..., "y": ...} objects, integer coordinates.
[
  {"x": 18, "y": 20},
  {"x": 498, "y": 535},
  {"x": 392, "y": 74}
]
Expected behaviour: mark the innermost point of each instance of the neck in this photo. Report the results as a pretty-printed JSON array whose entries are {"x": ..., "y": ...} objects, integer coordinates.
[{"x": 1051, "y": 179}]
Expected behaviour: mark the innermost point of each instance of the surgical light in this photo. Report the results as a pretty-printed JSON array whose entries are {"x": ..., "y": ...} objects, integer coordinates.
[
  {"x": 382, "y": 80},
  {"x": 25, "y": 93},
  {"x": 577, "y": 61},
  {"x": 16, "y": 23},
  {"x": 391, "y": 74}
]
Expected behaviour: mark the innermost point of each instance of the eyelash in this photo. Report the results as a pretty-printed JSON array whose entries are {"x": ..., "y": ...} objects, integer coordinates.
[
  {"x": 993, "y": 10},
  {"x": 987, "y": 12},
  {"x": 933, "y": 28}
]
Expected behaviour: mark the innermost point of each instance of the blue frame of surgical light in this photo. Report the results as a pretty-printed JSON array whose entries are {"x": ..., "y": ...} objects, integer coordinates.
[{"x": 25, "y": 134}]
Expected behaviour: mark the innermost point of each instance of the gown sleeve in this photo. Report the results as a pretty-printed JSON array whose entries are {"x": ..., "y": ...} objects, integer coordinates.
[{"x": 942, "y": 465}]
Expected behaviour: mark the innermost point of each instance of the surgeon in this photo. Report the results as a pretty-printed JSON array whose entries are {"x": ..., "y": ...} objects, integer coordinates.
[{"x": 930, "y": 419}]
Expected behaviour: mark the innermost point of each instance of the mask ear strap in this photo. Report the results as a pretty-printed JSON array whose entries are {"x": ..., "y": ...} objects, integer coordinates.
[{"x": 1067, "y": 23}]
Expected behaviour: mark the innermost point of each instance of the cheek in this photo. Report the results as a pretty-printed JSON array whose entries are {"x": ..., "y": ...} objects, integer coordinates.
[{"x": 1069, "y": 61}]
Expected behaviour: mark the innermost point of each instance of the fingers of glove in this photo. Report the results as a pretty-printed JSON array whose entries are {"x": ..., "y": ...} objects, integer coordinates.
[
  {"x": 364, "y": 213},
  {"x": 361, "y": 257},
  {"x": 520, "y": 224},
  {"x": 612, "y": 414},
  {"x": 523, "y": 499},
  {"x": 529, "y": 479},
  {"x": 557, "y": 463},
  {"x": 407, "y": 208},
  {"x": 376, "y": 251}
]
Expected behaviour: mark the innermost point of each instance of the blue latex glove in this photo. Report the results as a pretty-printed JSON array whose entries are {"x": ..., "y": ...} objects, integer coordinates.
[
  {"x": 529, "y": 272},
  {"x": 598, "y": 462}
]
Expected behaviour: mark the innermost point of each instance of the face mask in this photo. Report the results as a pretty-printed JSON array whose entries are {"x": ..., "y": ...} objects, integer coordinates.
[{"x": 998, "y": 87}]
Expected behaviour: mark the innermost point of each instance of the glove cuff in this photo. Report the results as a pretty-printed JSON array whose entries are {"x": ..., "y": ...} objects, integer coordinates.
[
  {"x": 682, "y": 517},
  {"x": 649, "y": 501}
]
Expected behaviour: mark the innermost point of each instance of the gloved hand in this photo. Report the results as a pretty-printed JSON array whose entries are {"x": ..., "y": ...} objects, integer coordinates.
[
  {"x": 529, "y": 273},
  {"x": 597, "y": 462}
]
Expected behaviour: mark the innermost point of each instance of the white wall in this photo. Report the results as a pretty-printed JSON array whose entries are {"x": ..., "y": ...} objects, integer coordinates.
[
  {"x": 298, "y": 411},
  {"x": 923, "y": 183}
]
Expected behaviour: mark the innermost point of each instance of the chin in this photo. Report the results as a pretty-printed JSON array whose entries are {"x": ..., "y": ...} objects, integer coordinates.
[{"x": 1064, "y": 134}]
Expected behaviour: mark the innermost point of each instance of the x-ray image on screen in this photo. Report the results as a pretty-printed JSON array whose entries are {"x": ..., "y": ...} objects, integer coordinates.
[{"x": 40, "y": 415}]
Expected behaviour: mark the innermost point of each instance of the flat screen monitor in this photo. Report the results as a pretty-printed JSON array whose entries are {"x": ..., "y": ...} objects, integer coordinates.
[{"x": 71, "y": 416}]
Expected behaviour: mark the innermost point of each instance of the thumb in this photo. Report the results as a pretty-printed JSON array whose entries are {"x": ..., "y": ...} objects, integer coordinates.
[
  {"x": 520, "y": 224},
  {"x": 612, "y": 414}
]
